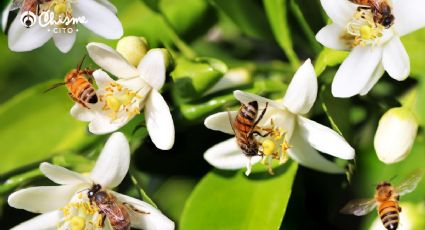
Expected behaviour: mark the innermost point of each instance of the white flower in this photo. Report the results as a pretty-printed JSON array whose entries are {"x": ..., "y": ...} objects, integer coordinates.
[
  {"x": 395, "y": 135},
  {"x": 290, "y": 132},
  {"x": 67, "y": 204},
  {"x": 374, "y": 48},
  {"x": 100, "y": 18},
  {"x": 121, "y": 100}
]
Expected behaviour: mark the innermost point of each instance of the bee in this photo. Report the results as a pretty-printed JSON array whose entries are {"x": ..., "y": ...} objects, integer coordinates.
[
  {"x": 245, "y": 128},
  {"x": 27, "y": 5},
  {"x": 386, "y": 200},
  {"x": 381, "y": 10},
  {"x": 117, "y": 214},
  {"x": 79, "y": 86}
]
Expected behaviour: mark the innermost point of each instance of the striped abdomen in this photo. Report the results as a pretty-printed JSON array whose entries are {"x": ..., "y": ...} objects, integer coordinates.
[
  {"x": 82, "y": 89},
  {"x": 389, "y": 213},
  {"x": 244, "y": 125}
]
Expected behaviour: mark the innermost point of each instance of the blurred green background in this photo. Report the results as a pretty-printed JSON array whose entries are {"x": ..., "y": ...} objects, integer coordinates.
[{"x": 268, "y": 39}]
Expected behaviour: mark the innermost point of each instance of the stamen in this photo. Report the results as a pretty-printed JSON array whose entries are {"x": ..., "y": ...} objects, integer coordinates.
[{"x": 362, "y": 30}]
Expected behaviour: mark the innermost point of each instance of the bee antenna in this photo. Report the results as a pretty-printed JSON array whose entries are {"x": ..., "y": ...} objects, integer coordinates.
[
  {"x": 81, "y": 63},
  {"x": 54, "y": 86}
]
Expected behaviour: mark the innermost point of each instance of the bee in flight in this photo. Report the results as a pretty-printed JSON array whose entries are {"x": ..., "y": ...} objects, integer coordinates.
[
  {"x": 245, "y": 128},
  {"x": 386, "y": 200},
  {"x": 117, "y": 213},
  {"x": 381, "y": 10},
  {"x": 80, "y": 88}
]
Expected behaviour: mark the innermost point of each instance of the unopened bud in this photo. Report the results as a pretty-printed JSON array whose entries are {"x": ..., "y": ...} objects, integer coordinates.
[
  {"x": 395, "y": 135},
  {"x": 132, "y": 48}
]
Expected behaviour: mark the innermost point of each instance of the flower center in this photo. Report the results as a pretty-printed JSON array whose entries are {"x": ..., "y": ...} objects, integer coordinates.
[
  {"x": 274, "y": 146},
  {"x": 119, "y": 100},
  {"x": 363, "y": 30},
  {"x": 79, "y": 214}
]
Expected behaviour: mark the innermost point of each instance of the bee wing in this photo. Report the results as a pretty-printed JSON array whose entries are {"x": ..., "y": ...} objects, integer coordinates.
[
  {"x": 112, "y": 211},
  {"x": 16, "y": 4},
  {"x": 410, "y": 183},
  {"x": 359, "y": 207}
]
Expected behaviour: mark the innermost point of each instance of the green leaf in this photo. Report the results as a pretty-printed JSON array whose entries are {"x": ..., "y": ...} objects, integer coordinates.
[
  {"x": 329, "y": 58},
  {"x": 277, "y": 14},
  {"x": 415, "y": 46},
  {"x": 247, "y": 15},
  {"x": 231, "y": 200},
  {"x": 36, "y": 125}
]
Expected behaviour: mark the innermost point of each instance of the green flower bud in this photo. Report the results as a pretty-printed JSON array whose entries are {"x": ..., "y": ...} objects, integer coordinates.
[
  {"x": 132, "y": 48},
  {"x": 395, "y": 135}
]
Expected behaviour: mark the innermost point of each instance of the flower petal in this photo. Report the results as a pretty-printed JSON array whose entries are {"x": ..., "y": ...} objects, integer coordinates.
[
  {"x": 152, "y": 68},
  {"x": 159, "y": 121},
  {"x": 305, "y": 155},
  {"x": 220, "y": 121},
  {"x": 330, "y": 36},
  {"x": 5, "y": 16},
  {"x": 152, "y": 219},
  {"x": 109, "y": 5},
  {"x": 64, "y": 41},
  {"x": 246, "y": 98},
  {"x": 110, "y": 60},
  {"x": 281, "y": 119},
  {"x": 377, "y": 74},
  {"x": 102, "y": 124},
  {"x": 113, "y": 162},
  {"x": 340, "y": 11},
  {"x": 42, "y": 199},
  {"x": 61, "y": 175},
  {"x": 81, "y": 113},
  {"x": 356, "y": 71},
  {"x": 395, "y": 59},
  {"x": 409, "y": 15},
  {"x": 324, "y": 139},
  {"x": 227, "y": 155},
  {"x": 46, "y": 221},
  {"x": 302, "y": 91},
  {"x": 102, "y": 78},
  {"x": 26, "y": 39},
  {"x": 104, "y": 22}
]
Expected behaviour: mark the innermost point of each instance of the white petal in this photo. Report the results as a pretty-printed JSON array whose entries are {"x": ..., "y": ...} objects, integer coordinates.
[
  {"x": 324, "y": 139},
  {"x": 395, "y": 59},
  {"x": 61, "y": 175},
  {"x": 409, "y": 15},
  {"x": 46, "y": 221},
  {"x": 64, "y": 41},
  {"x": 109, "y": 5},
  {"x": 102, "y": 79},
  {"x": 302, "y": 91},
  {"x": 227, "y": 155},
  {"x": 154, "y": 220},
  {"x": 103, "y": 22},
  {"x": 152, "y": 68},
  {"x": 102, "y": 124},
  {"x": 110, "y": 60},
  {"x": 377, "y": 74},
  {"x": 42, "y": 199},
  {"x": 113, "y": 162},
  {"x": 246, "y": 98},
  {"x": 330, "y": 36},
  {"x": 81, "y": 113},
  {"x": 26, "y": 39},
  {"x": 340, "y": 11},
  {"x": 356, "y": 71},
  {"x": 220, "y": 121},
  {"x": 159, "y": 121},
  {"x": 282, "y": 119},
  {"x": 305, "y": 155}
]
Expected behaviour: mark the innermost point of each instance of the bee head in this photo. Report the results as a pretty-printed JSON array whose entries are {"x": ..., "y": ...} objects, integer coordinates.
[
  {"x": 387, "y": 21},
  {"x": 96, "y": 188}
]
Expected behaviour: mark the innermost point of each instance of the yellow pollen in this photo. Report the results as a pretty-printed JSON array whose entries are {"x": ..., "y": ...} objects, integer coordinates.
[
  {"x": 60, "y": 9},
  {"x": 77, "y": 223},
  {"x": 268, "y": 147},
  {"x": 366, "y": 32},
  {"x": 113, "y": 103}
]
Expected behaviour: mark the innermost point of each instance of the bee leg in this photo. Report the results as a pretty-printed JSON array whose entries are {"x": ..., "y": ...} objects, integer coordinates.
[
  {"x": 260, "y": 134},
  {"x": 261, "y": 115},
  {"x": 77, "y": 100},
  {"x": 89, "y": 74},
  {"x": 135, "y": 209}
]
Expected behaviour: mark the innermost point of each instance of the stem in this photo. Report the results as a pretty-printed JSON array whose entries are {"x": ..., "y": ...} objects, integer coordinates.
[{"x": 305, "y": 26}]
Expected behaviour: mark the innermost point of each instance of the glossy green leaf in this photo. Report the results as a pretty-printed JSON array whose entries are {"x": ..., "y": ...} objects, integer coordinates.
[
  {"x": 31, "y": 115},
  {"x": 414, "y": 44},
  {"x": 247, "y": 15},
  {"x": 277, "y": 13},
  {"x": 329, "y": 58},
  {"x": 231, "y": 200}
]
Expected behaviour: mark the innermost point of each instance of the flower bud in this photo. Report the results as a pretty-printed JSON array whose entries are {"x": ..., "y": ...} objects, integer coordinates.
[
  {"x": 132, "y": 48},
  {"x": 395, "y": 135},
  {"x": 232, "y": 79}
]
